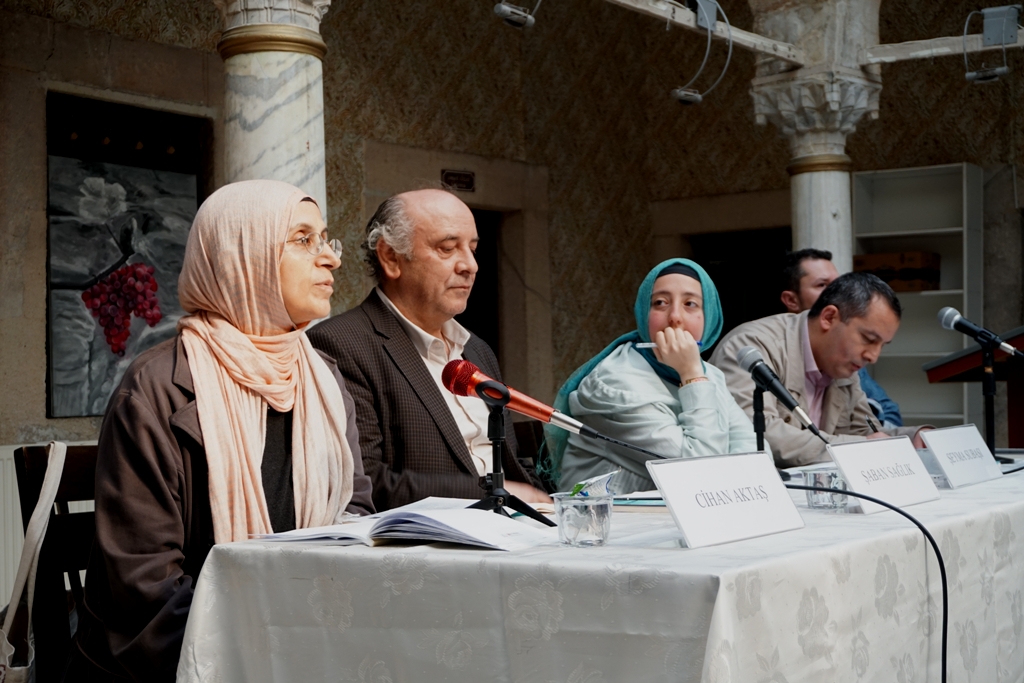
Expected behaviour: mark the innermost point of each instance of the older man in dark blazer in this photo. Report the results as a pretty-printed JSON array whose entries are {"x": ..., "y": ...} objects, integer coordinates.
[{"x": 417, "y": 438}]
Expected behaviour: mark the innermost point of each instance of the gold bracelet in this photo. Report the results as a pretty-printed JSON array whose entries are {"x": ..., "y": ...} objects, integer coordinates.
[{"x": 702, "y": 378}]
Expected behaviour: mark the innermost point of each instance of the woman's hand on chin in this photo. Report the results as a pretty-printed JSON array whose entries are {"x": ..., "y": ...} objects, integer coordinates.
[{"x": 678, "y": 349}]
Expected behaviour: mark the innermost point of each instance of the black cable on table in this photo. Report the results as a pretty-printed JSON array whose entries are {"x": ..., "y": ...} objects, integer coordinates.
[
  {"x": 630, "y": 446},
  {"x": 935, "y": 547},
  {"x": 1016, "y": 469}
]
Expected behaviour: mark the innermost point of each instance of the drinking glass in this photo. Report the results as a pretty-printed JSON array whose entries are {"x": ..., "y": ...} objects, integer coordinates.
[
  {"x": 583, "y": 520},
  {"x": 829, "y": 478}
]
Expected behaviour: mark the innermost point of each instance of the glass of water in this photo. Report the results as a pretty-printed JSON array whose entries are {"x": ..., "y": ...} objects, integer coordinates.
[
  {"x": 828, "y": 478},
  {"x": 583, "y": 520}
]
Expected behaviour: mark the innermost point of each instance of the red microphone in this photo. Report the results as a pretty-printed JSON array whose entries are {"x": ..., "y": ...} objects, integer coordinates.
[{"x": 462, "y": 378}]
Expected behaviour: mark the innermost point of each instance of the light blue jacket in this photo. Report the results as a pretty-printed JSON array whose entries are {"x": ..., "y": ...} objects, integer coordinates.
[{"x": 623, "y": 398}]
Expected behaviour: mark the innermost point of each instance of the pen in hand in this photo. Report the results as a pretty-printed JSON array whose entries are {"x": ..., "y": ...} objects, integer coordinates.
[
  {"x": 652, "y": 345},
  {"x": 872, "y": 425}
]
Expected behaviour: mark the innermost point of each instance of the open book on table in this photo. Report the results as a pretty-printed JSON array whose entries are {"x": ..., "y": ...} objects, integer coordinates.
[{"x": 435, "y": 520}]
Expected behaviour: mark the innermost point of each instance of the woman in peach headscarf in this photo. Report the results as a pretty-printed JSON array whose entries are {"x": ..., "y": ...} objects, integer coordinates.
[{"x": 235, "y": 427}]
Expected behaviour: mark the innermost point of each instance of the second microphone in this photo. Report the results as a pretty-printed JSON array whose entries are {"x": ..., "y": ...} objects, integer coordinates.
[{"x": 751, "y": 360}]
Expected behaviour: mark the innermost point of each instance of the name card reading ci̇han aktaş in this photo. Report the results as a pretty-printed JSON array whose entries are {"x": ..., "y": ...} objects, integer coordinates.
[
  {"x": 962, "y": 455},
  {"x": 725, "y": 498},
  {"x": 888, "y": 469}
]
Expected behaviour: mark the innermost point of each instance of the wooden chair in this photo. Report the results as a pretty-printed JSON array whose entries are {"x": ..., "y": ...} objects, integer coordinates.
[{"x": 65, "y": 550}]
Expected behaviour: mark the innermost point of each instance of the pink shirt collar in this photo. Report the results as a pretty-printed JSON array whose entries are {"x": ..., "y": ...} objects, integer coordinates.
[{"x": 815, "y": 381}]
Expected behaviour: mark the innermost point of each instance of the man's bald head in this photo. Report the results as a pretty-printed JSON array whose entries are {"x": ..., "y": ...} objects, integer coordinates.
[
  {"x": 431, "y": 204},
  {"x": 421, "y": 246},
  {"x": 396, "y": 219}
]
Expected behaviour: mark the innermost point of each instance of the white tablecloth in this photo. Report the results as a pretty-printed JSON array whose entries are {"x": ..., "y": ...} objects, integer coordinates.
[{"x": 848, "y": 598}]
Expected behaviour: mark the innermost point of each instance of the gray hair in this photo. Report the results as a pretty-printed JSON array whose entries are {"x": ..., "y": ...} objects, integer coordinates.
[{"x": 391, "y": 222}]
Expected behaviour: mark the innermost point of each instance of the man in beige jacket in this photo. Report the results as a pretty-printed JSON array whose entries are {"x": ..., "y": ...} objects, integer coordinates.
[{"x": 817, "y": 355}]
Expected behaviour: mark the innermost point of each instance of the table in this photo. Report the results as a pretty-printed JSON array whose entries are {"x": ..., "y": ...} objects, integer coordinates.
[{"x": 848, "y": 598}]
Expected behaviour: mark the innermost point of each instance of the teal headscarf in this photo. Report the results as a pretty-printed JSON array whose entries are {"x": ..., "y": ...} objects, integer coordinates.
[{"x": 557, "y": 438}]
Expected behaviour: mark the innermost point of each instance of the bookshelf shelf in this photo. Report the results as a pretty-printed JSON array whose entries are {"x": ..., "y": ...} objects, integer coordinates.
[{"x": 935, "y": 209}]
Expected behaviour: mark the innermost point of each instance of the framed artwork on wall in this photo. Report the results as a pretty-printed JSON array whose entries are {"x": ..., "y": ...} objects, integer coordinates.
[{"x": 124, "y": 186}]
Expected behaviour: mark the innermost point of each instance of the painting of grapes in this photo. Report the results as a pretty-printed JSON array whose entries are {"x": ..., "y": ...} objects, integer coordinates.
[{"x": 116, "y": 243}]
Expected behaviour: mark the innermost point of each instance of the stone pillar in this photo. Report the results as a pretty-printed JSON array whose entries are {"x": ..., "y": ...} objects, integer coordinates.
[
  {"x": 817, "y": 106},
  {"x": 816, "y": 111},
  {"x": 273, "y": 98}
]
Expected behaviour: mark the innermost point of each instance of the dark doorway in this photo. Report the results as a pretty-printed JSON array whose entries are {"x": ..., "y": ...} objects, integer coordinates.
[
  {"x": 481, "y": 314},
  {"x": 107, "y": 132},
  {"x": 746, "y": 267}
]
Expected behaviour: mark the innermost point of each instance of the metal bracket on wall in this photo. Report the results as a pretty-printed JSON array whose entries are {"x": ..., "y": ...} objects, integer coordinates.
[
  {"x": 1001, "y": 24},
  {"x": 679, "y": 15},
  {"x": 999, "y": 33},
  {"x": 999, "y": 30},
  {"x": 706, "y": 11}
]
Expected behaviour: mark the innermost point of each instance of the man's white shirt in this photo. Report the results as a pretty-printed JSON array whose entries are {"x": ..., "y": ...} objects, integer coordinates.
[{"x": 470, "y": 412}]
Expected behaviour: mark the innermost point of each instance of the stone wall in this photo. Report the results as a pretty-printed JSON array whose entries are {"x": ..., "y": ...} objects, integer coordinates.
[
  {"x": 36, "y": 55},
  {"x": 194, "y": 24},
  {"x": 441, "y": 77},
  {"x": 584, "y": 93}
]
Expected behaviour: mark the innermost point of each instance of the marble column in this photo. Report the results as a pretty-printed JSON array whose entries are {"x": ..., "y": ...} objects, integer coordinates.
[
  {"x": 816, "y": 111},
  {"x": 274, "y": 100},
  {"x": 817, "y": 106}
]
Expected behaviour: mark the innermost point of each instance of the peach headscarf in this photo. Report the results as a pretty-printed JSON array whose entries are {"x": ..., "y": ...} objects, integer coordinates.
[{"x": 245, "y": 352}]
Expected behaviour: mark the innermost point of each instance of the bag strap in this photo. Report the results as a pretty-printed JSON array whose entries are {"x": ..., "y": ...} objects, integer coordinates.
[{"x": 36, "y": 530}]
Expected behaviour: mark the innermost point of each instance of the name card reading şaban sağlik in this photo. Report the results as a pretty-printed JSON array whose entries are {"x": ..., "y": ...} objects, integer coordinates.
[
  {"x": 725, "y": 498},
  {"x": 962, "y": 455},
  {"x": 888, "y": 469}
]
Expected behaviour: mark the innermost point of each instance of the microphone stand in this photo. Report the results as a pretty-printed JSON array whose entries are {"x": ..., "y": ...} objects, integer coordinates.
[
  {"x": 496, "y": 396},
  {"x": 988, "y": 390},
  {"x": 759, "y": 426},
  {"x": 759, "y": 416},
  {"x": 951, "y": 319}
]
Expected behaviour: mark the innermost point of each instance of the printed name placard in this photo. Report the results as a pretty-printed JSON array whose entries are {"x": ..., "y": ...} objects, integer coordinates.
[
  {"x": 888, "y": 469},
  {"x": 725, "y": 498},
  {"x": 962, "y": 455}
]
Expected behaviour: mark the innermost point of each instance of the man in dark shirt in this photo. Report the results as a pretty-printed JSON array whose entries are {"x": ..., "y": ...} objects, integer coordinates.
[{"x": 416, "y": 437}]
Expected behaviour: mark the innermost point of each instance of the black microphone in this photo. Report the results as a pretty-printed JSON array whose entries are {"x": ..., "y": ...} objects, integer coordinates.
[
  {"x": 951, "y": 319},
  {"x": 751, "y": 360}
]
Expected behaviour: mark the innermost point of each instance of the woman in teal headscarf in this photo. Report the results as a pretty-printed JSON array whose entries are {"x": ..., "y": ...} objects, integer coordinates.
[{"x": 664, "y": 399}]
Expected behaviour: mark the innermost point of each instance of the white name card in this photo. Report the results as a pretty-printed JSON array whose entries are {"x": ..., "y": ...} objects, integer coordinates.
[
  {"x": 725, "y": 498},
  {"x": 962, "y": 455},
  {"x": 888, "y": 469}
]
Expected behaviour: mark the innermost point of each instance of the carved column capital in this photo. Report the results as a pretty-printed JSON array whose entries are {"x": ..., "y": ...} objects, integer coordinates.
[
  {"x": 302, "y": 13},
  {"x": 272, "y": 26},
  {"x": 816, "y": 109}
]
